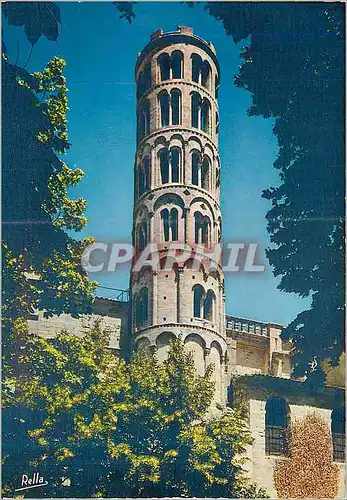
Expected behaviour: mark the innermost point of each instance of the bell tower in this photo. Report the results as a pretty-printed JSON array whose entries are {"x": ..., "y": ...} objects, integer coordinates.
[{"x": 177, "y": 200}]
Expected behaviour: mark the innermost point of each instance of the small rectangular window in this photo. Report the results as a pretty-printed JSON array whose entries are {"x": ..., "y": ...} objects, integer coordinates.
[
  {"x": 275, "y": 441},
  {"x": 339, "y": 447}
]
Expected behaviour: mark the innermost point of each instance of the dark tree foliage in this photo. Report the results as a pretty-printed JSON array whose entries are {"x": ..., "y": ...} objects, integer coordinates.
[
  {"x": 43, "y": 18},
  {"x": 36, "y": 207},
  {"x": 294, "y": 69},
  {"x": 27, "y": 167},
  {"x": 126, "y": 10},
  {"x": 37, "y": 18},
  {"x": 95, "y": 426}
]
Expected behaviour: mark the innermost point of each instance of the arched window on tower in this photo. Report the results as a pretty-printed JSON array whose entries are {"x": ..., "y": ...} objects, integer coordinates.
[
  {"x": 205, "y": 116},
  {"x": 198, "y": 294},
  {"x": 208, "y": 306},
  {"x": 147, "y": 77},
  {"x": 175, "y": 164},
  {"x": 196, "y": 67},
  {"x": 140, "y": 85},
  {"x": 175, "y": 107},
  {"x": 216, "y": 89},
  {"x": 141, "y": 308},
  {"x": 164, "y": 108},
  {"x": 164, "y": 165},
  {"x": 217, "y": 177},
  {"x": 206, "y": 75},
  {"x": 142, "y": 235},
  {"x": 219, "y": 238},
  {"x": 164, "y": 65},
  {"x": 338, "y": 434},
  {"x": 195, "y": 167},
  {"x": 141, "y": 181},
  {"x": 205, "y": 231},
  {"x": 144, "y": 120},
  {"x": 170, "y": 165},
  {"x": 195, "y": 109},
  {"x": 174, "y": 224},
  {"x": 144, "y": 176},
  {"x": 197, "y": 218},
  {"x": 205, "y": 173},
  {"x": 177, "y": 64},
  {"x": 169, "y": 219},
  {"x": 202, "y": 229},
  {"x": 165, "y": 223},
  {"x": 217, "y": 124},
  {"x": 277, "y": 419},
  {"x": 146, "y": 169}
]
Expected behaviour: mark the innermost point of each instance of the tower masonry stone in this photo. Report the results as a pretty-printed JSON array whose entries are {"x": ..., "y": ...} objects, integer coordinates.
[{"x": 177, "y": 199}]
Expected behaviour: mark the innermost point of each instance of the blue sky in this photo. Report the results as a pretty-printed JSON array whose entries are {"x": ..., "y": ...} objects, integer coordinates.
[{"x": 100, "y": 51}]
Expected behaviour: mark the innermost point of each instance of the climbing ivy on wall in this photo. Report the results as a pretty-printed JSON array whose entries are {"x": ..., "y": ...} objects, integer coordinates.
[{"x": 310, "y": 471}]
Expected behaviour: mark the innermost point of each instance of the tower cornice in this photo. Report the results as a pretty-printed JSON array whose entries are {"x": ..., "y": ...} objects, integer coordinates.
[
  {"x": 176, "y": 129},
  {"x": 176, "y": 83},
  {"x": 184, "y": 35},
  {"x": 166, "y": 188}
]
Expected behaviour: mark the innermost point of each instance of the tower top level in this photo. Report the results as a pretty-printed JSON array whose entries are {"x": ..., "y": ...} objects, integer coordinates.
[
  {"x": 181, "y": 30},
  {"x": 184, "y": 34}
]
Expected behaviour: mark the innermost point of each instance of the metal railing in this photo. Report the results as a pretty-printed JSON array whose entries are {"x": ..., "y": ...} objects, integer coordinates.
[
  {"x": 247, "y": 326},
  {"x": 120, "y": 294}
]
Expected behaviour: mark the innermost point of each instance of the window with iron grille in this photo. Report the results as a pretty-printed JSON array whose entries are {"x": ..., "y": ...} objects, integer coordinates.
[
  {"x": 338, "y": 418},
  {"x": 276, "y": 425},
  {"x": 339, "y": 447},
  {"x": 275, "y": 441}
]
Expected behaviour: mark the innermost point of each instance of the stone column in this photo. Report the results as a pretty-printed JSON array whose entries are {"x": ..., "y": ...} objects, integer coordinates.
[{"x": 154, "y": 297}]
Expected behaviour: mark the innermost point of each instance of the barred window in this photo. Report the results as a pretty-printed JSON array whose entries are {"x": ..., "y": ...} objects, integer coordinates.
[
  {"x": 276, "y": 425},
  {"x": 339, "y": 447},
  {"x": 338, "y": 434},
  {"x": 275, "y": 441}
]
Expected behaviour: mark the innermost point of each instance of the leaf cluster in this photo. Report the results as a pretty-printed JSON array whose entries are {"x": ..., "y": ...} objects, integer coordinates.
[
  {"x": 293, "y": 67},
  {"x": 96, "y": 426}
]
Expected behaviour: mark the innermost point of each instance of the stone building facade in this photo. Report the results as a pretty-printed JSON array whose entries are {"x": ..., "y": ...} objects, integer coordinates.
[{"x": 177, "y": 200}]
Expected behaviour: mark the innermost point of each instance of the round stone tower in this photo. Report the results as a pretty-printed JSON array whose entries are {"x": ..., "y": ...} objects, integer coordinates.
[{"x": 177, "y": 201}]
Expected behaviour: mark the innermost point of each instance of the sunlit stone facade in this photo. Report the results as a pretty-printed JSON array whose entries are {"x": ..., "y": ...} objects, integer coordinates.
[{"x": 177, "y": 199}]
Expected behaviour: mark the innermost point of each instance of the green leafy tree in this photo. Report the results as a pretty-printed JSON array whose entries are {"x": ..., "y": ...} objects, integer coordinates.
[
  {"x": 94, "y": 426},
  {"x": 41, "y": 262},
  {"x": 294, "y": 70},
  {"x": 36, "y": 207}
]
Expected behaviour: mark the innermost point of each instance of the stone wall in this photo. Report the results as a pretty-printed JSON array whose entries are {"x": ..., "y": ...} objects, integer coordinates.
[
  {"x": 113, "y": 315},
  {"x": 256, "y": 348}
]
